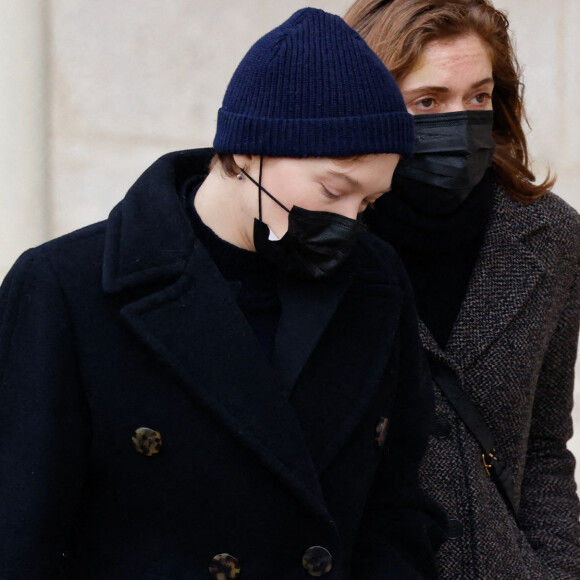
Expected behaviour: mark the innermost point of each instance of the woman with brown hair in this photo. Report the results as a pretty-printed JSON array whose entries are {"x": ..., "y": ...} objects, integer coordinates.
[{"x": 493, "y": 258}]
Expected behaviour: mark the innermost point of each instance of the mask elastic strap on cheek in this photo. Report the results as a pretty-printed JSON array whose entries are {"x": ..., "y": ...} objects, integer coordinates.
[{"x": 260, "y": 189}]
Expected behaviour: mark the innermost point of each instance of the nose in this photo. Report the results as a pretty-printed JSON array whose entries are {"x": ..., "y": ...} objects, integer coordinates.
[
  {"x": 352, "y": 209},
  {"x": 455, "y": 107}
]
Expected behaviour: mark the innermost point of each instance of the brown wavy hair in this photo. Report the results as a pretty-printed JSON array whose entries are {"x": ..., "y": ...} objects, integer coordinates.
[{"x": 399, "y": 30}]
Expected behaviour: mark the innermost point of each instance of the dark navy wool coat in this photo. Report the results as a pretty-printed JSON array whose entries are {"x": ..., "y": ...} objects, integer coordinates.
[{"x": 127, "y": 324}]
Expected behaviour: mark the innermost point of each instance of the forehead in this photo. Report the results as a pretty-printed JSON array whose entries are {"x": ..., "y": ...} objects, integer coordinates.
[
  {"x": 364, "y": 173},
  {"x": 453, "y": 59},
  {"x": 341, "y": 165},
  {"x": 365, "y": 165}
]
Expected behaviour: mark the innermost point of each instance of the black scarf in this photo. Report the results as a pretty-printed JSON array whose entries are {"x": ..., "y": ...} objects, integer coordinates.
[{"x": 439, "y": 252}]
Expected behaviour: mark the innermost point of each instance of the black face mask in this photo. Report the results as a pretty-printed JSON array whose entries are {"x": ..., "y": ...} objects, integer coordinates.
[
  {"x": 316, "y": 244},
  {"x": 452, "y": 153}
]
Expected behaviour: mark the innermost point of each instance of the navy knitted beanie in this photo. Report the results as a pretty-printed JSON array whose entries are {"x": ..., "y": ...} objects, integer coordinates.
[{"x": 313, "y": 88}]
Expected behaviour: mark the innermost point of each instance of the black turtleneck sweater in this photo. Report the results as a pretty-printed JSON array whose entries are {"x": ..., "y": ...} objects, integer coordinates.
[
  {"x": 439, "y": 251},
  {"x": 252, "y": 279}
]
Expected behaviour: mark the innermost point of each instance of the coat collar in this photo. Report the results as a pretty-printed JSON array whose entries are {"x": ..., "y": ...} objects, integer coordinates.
[
  {"x": 504, "y": 276},
  {"x": 148, "y": 235}
]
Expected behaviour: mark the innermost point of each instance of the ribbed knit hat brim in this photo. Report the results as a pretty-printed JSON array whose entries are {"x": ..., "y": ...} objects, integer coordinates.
[
  {"x": 313, "y": 88},
  {"x": 333, "y": 137}
]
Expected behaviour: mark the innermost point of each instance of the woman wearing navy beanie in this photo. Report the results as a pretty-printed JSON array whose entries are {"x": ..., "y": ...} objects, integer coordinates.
[{"x": 224, "y": 379}]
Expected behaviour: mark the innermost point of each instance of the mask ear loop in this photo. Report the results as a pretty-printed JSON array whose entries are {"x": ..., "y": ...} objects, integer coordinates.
[{"x": 262, "y": 189}]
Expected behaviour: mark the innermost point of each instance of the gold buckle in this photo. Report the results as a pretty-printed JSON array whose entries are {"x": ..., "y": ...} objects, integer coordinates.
[{"x": 488, "y": 466}]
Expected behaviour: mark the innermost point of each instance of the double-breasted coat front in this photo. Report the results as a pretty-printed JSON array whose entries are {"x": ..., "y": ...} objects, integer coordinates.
[{"x": 144, "y": 433}]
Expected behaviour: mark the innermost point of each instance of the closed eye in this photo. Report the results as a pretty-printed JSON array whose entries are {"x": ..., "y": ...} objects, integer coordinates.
[{"x": 329, "y": 194}]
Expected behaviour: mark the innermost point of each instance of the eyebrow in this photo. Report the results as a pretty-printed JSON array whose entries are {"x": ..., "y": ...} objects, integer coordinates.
[
  {"x": 350, "y": 180},
  {"x": 437, "y": 89}
]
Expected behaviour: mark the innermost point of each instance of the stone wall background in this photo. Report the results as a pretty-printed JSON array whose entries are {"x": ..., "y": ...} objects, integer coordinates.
[{"x": 93, "y": 92}]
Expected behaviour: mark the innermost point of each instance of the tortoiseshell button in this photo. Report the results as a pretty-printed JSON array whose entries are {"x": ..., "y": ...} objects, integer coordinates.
[
  {"x": 224, "y": 567},
  {"x": 317, "y": 561},
  {"x": 147, "y": 441},
  {"x": 381, "y": 431}
]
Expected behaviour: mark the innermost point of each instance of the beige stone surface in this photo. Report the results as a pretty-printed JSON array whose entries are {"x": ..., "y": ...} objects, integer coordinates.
[
  {"x": 23, "y": 116},
  {"x": 548, "y": 43},
  {"x": 144, "y": 77}
]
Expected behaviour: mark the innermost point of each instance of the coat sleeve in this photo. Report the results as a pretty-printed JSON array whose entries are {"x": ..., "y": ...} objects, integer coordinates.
[
  {"x": 549, "y": 509},
  {"x": 43, "y": 422},
  {"x": 403, "y": 528}
]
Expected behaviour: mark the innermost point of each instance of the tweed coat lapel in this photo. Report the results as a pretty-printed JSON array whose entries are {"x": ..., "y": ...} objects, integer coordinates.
[
  {"x": 176, "y": 302},
  {"x": 503, "y": 279}
]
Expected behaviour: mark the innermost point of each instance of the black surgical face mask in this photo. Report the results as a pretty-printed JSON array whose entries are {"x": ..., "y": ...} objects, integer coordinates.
[
  {"x": 316, "y": 244},
  {"x": 452, "y": 153}
]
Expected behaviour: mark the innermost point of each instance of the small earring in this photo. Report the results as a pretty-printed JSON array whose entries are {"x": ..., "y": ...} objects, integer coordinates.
[{"x": 240, "y": 176}]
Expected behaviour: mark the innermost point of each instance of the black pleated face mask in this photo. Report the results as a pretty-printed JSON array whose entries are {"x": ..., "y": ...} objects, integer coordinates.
[
  {"x": 452, "y": 153},
  {"x": 316, "y": 244}
]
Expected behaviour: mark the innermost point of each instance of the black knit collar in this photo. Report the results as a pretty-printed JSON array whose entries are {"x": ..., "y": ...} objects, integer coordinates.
[
  {"x": 410, "y": 230},
  {"x": 235, "y": 263}
]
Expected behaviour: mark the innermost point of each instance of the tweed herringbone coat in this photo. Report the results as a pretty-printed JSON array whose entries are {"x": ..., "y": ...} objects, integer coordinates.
[{"x": 514, "y": 347}]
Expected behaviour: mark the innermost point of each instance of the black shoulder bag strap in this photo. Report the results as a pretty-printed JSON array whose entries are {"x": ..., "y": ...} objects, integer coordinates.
[{"x": 448, "y": 381}]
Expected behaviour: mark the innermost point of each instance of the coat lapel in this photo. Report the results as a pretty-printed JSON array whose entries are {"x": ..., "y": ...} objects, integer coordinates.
[
  {"x": 177, "y": 303},
  {"x": 350, "y": 350},
  {"x": 359, "y": 371},
  {"x": 428, "y": 340},
  {"x": 503, "y": 279},
  {"x": 306, "y": 310},
  {"x": 196, "y": 327}
]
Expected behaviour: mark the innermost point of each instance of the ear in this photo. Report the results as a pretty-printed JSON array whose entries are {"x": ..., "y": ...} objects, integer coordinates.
[{"x": 243, "y": 161}]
